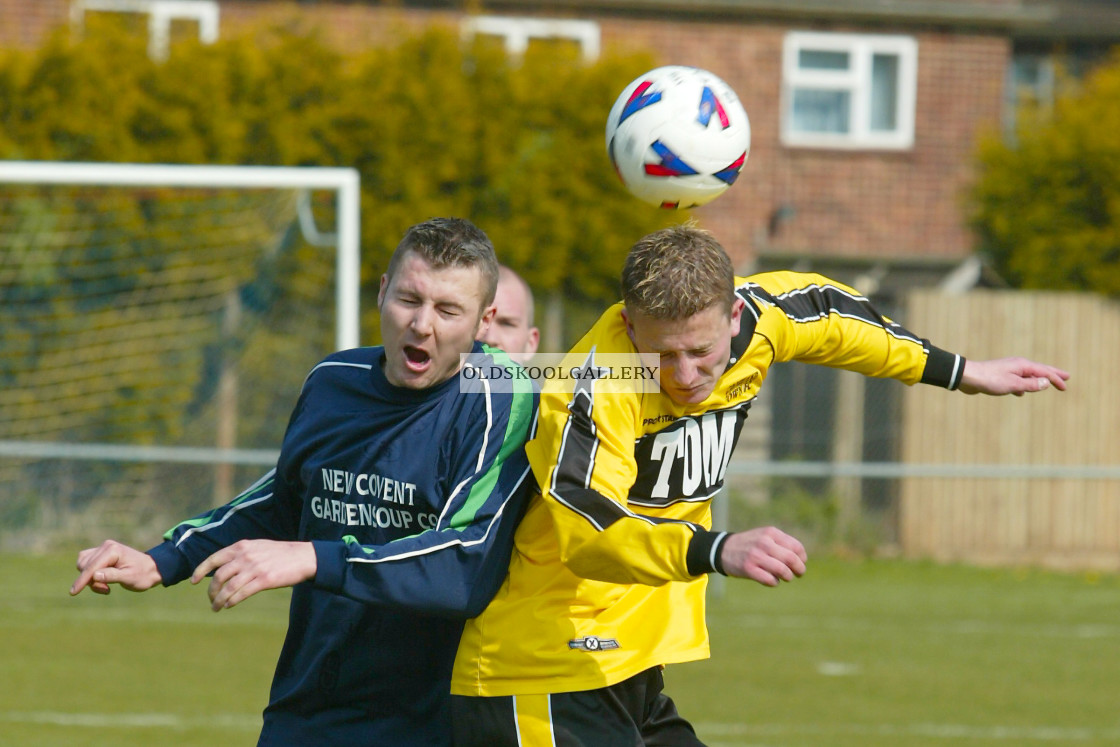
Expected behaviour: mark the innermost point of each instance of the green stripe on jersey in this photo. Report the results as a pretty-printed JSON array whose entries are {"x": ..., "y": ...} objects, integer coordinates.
[
  {"x": 207, "y": 517},
  {"x": 517, "y": 431}
]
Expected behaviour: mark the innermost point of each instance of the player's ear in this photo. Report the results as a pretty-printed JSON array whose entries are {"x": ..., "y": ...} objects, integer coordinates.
[
  {"x": 533, "y": 341},
  {"x": 737, "y": 315},
  {"x": 381, "y": 290},
  {"x": 485, "y": 321},
  {"x": 629, "y": 325}
]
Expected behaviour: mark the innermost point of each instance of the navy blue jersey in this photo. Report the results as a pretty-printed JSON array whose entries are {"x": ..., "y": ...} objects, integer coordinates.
[{"x": 410, "y": 498}]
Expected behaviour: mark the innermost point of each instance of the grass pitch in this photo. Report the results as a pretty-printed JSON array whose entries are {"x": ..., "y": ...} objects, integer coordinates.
[
  {"x": 871, "y": 653},
  {"x": 901, "y": 653}
]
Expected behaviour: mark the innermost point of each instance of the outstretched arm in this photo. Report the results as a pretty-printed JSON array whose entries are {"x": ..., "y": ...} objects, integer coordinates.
[
  {"x": 249, "y": 515},
  {"x": 828, "y": 323},
  {"x": 1010, "y": 376},
  {"x": 114, "y": 563}
]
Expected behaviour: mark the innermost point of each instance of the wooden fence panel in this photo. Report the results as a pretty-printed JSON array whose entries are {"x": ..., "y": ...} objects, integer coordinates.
[{"x": 1061, "y": 522}]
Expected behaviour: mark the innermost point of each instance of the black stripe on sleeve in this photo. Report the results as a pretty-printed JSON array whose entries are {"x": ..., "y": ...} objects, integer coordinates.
[
  {"x": 571, "y": 478},
  {"x": 589, "y": 503},
  {"x": 819, "y": 301},
  {"x": 748, "y": 321}
]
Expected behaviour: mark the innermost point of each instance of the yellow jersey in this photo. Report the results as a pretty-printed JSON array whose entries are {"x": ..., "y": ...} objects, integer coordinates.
[{"x": 610, "y": 563}]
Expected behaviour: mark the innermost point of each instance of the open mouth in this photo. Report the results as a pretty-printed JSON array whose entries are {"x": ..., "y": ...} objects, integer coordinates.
[{"x": 416, "y": 358}]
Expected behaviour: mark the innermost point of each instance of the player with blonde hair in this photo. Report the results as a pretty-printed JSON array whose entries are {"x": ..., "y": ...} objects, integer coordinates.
[{"x": 610, "y": 565}]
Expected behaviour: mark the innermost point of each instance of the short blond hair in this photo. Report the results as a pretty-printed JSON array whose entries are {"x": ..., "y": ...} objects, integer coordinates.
[{"x": 677, "y": 272}]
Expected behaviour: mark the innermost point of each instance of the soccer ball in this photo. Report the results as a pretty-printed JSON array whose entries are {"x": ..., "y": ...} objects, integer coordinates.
[{"x": 678, "y": 137}]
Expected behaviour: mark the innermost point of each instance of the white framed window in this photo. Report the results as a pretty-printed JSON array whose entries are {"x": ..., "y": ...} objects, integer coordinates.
[
  {"x": 517, "y": 33},
  {"x": 161, "y": 14},
  {"x": 1031, "y": 82},
  {"x": 849, "y": 90}
]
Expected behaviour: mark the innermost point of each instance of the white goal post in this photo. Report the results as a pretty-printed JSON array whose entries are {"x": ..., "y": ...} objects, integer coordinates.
[
  {"x": 158, "y": 321},
  {"x": 344, "y": 182}
]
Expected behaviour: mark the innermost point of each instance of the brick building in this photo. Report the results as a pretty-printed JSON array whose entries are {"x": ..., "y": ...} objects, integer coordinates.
[{"x": 864, "y": 113}]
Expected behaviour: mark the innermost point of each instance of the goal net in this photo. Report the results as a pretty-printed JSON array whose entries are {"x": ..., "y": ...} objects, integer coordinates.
[{"x": 157, "y": 325}]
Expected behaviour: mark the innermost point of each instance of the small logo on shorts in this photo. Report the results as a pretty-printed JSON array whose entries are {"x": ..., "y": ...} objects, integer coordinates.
[{"x": 593, "y": 643}]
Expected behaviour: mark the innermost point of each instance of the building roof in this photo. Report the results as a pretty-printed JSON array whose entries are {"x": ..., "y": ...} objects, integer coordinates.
[
  {"x": 1076, "y": 20},
  {"x": 1096, "y": 19},
  {"x": 976, "y": 13}
]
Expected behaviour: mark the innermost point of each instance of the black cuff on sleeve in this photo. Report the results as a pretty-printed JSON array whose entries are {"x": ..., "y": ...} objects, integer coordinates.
[
  {"x": 943, "y": 369},
  {"x": 704, "y": 551}
]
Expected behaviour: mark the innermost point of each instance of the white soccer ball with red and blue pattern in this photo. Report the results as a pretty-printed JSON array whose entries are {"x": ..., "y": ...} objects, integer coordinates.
[{"x": 678, "y": 137}]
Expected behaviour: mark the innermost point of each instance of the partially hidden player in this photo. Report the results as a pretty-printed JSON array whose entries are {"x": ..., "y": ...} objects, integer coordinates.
[
  {"x": 610, "y": 564},
  {"x": 390, "y": 511},
  {"x": 512, "y": 329}
]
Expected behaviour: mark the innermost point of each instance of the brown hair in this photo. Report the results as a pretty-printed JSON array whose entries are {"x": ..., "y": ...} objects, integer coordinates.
[
  {"x": 451, "y": 242},
  {"x": 677, "y": 272}
]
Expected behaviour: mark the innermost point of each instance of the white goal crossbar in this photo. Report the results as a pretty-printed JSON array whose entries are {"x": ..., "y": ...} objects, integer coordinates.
[{"x": 344, "y": 182}]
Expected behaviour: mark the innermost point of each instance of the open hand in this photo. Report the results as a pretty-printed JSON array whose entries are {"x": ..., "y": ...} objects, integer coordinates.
[
  {"x": 249, "y": 566},
  {"x": 1010, "y": 376}
]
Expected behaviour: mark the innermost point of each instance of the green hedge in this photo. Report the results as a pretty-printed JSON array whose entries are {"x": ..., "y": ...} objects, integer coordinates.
[
  {"x": 434, "y": 126},
  {"x": 1047, "y": 206}
]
